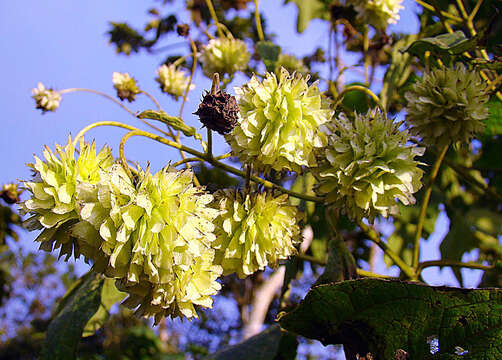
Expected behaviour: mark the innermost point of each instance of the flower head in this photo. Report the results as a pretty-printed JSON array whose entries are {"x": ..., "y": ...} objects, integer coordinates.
[
  {"x": 447, "y": 105},
  {"x": 126, "y": 86},
  {"x": 367, "y": 165},
  {"x": 53, "y": 192},
  {"x": 46, "y": 99},
  {"x": 378, "y": 13},
  {"x": 280, "y": 122},
  {"x": 155, "y": 236},
  {"x": 173, "y": 80},
  {"x": 253, "y": 231},
  {"x": 224, "y": 56}
]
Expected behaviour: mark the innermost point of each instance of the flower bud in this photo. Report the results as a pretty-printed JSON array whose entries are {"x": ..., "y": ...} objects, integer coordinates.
[
  {"x": 10, "y": 193},
  {"x": 46, "y": 99},
  {"x": 224, "y": 56},
  {"x": 126, "y": 86},
  {"x": 218, "y": 112},
  {"x": 377, "y": 13},
  {"x": 173, "y": 80}
]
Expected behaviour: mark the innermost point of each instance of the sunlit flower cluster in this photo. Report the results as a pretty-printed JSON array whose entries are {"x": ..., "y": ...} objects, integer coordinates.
[
  {"x": 280, "y": 123},
  {"x": 378, "y": 13},
  {"x": 126, "y": 86},
  {"x": 224, "y": 56}
]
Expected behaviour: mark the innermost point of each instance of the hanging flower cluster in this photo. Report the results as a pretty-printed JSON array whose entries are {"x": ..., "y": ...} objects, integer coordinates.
[
  {"x": 280, "y": 123},
  {"x": 368, "y": 165},
  {"x": 254, "y": 231},
  {"x": 154, "y": 234},
  {"x": 172, "y": 80},
  {"x": 378, "y": 13},
  {"x": 224, "y": 56},
  {"x": 46, "y": 99},
  {"x": 447, "y": 105}
]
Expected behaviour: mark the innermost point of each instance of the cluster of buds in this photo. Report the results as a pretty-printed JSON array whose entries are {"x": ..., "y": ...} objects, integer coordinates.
[
  {"x": 46, "y": 99},
  {"x": 126, "y": 86},
  {"x": 172, "y": 80},
  {"x": 10, "y": 193},
  {"x": 224, "y": 56}
]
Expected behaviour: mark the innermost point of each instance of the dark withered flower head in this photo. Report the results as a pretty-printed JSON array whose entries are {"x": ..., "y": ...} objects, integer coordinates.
[{"x": 218, "y": 112}]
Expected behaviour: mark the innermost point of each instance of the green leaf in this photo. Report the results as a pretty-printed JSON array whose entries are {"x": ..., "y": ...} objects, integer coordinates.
[
  {"x": 444, "y": 44},
  {"x": 264, "y": 346},
  {"x": 308, "y": 10},
  {"x": 493, "y": 125},
  {"x": 172, "y": 121},
  {"x": 65, "y": 329},
  {"x": 110, "y": 295},
  {"x": 382, "y": 316},
  {"x": 269, "y": 53}
]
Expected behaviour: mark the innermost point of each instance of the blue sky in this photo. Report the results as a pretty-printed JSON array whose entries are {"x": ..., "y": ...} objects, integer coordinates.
[{"x": 64, "y": 44}]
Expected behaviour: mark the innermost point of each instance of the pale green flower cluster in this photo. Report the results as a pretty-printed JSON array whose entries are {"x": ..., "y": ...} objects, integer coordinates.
[
  {"x": 46, "y": 99},
  {"x": 378, "y": 13},
  {"x": 54, "y": 189},
  {"x": 367, "y": 165},
  {"x": 447, "y": 105},
  {"x": 224, "y": 56},
  {"x": 280, "y": 123},
  {"x": 156, "y": 237},
  {"x": 172, "y": 80},
  {"x": 254, "y": 231},
  {"x": 153, "y": 234},
  {"x": 126, "y": 86}
]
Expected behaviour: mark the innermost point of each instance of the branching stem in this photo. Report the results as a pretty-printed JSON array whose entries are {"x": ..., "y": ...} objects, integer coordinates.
[
  {"x": 365, "y": 90},
  {"x": 425, "y": 203}
]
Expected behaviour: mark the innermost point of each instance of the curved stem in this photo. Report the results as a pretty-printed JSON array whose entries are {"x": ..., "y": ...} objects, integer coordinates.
[
  {"x": 366, "y": 45},
  {"x": 425, "y": 203},
  {"x": 123, "y": 159},
  {"x": 227, "y": 155},
  {"x": 65, "y": 91},
  {"x": 451, "y": 263},
  {"x": 215, "y": 18},
  {"x": 258, "y": 21},
  {"x": 365, "y": 90},
  {"x": 153, "y": 99},
  {"x": 373, "y": 236},
  {"x": 101, "y": 123},
  {"x": 443, "y": 13},
  {"x": 186, "y": 160},
  {"x": 192, "y": 72},
  {"x": 138, "y": 132}
]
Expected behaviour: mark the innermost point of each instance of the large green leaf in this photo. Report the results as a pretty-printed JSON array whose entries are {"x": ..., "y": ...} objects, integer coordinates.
[
  {"x": 382, "y": 316},
  {"x": 444, "y": 44},
  {"x": 271, "y": 344},
  {"x": 308, "y": 10},
  {"x": 110, "y": 295},
  {"x": 65, "y": 329}
]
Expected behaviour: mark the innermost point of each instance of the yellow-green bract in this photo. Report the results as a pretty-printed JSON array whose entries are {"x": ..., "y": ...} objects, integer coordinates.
[
  {"x": 368, "y": 165},
  {"x": 447, "y": 105},
  {"x": 280, "y": 123},
  {"x": 224, "y": 56},
  {"x": 53, "y": 193},
  {"x": 253, "y": 231}
]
